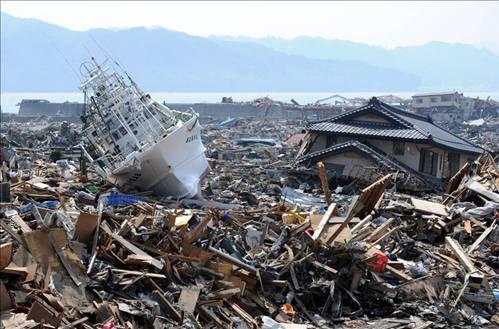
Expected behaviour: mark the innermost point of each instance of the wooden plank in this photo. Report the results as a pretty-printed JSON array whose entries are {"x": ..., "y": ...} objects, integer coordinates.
[
  {"x": 324, "y": 221},
  {"x": 324, "y": 266},
  {"x": 399, "y": 274},
  {"x": 482, "y": 237},
  {"x": 243, "y": 314},
  {"x": 132, "y": 248},
  {"x": 63, "y": 259},
  {"x": 233, "y": 260},
  {"x": 461, "y": 256},
  {"x": 362, "y": 223},
  {"x": 5, "y": 298},
  {"x": 188, "y": 299},
  {"x": 370, "y": 196},
  {"x": 95, "y": 240},
  {"x": 5, "y": 254},
  {"x": 380, "y": 230},
  {"x": 365, "y": 203},
  {"x": 84, "y": 227},
  {"x": 327, "y": 234},
  {"x": 429, "y": 207},
  {"x": 166, "y": 306},
  {"x": 224, "y": 294},
  {"x": 384, "y": 236}
]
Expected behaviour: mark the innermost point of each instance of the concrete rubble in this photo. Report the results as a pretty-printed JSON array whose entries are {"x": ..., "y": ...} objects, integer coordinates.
[{"x": 269, "y": 246}]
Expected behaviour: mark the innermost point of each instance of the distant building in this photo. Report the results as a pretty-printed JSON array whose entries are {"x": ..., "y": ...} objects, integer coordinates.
[
  {"x": 378, "y": 138},
  {"x": 447, "y": 99},
  {"x": 443, "y": 108},
  {"x": 36, "y": 107}
]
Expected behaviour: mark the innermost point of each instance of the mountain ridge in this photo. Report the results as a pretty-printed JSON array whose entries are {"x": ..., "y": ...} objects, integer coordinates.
[
  {"x": 35, "y": 57},
  {"x": 438, "y": 64}
]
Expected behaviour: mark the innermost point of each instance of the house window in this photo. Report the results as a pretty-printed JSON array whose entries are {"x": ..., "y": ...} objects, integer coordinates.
[
  {"x": 330, "y": 140},
  {"x": 428, "y": 162},
  {"x": 433, "y": 100},
  {"x": 419, "y": 100},
  {"x": 446, "y": 98},
  {"x": 453, "y": 163},
  {"x": 398, "y": 148}
]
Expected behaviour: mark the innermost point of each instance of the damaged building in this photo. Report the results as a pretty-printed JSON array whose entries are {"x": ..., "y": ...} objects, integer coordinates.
[{"x": 366, "y": 142}]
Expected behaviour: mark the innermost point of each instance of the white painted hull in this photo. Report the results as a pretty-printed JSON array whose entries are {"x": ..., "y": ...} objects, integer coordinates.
[{"x": 172, "y": 167}]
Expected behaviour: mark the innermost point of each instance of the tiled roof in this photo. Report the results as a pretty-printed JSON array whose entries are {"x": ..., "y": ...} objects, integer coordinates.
[
  {"x": 402, "y": 125},
  {"x": 365, "y": 130}
]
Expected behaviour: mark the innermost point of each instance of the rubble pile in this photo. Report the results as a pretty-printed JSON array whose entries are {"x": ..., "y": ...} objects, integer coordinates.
[
  {"x": 483, "y": 132},
  {"x": 41, "y": 133},
  {"x": 248, "y": 170},
  {"x": 76, "y": 253}
]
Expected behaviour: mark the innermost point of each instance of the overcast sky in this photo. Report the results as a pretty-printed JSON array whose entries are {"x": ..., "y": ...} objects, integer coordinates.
[{"x": 388, "y": 24}]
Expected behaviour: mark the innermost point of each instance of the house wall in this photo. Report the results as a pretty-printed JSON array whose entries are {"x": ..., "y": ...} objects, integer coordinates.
[
  {"x": 371, "y": 117},
  {"x": 355, "y": 164},
  {"x": 411, "y": 157},
  {"x": 319, "y": 144},
  {"x": 451, "y": 99}
]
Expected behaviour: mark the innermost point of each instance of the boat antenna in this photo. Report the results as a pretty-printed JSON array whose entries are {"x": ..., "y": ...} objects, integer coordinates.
[
  {"x": 108, "y": 55},
  {"x": 63, "y": 56}
]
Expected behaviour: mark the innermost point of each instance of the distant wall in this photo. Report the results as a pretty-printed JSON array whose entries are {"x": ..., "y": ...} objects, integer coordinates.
[
  {"x": 237, "y": 110},
  {"x": 425, "y": 101},
  {"x": 35, "y": 108}
]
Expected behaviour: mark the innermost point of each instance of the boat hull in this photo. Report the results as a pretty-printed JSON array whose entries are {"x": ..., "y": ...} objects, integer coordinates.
[{"x": 172, "y": 167}]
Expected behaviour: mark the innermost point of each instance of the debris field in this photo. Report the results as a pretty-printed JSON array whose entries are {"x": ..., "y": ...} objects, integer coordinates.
[{"x": 264, "y": 248}]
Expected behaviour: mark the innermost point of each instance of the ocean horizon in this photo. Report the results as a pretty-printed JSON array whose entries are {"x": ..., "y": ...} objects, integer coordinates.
[{"x": 9, "y": 100}]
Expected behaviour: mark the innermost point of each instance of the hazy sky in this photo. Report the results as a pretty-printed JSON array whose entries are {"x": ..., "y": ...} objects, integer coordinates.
[{"x": 388, "y": 24}]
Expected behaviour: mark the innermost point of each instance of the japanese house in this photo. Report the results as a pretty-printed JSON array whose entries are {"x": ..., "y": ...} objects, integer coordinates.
[{"x": 376, "y": 138}]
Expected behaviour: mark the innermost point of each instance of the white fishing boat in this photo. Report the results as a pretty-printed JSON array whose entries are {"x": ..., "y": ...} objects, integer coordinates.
[{"x": 137, "y": 142}]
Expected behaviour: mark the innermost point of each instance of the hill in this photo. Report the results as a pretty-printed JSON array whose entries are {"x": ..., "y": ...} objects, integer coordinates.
[{"x": 41, "y": 57}]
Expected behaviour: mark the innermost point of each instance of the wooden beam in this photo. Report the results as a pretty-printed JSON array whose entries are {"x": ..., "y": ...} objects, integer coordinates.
[
  {"x": 324, "y": 181},
  {"x": 482, "y": 237},
  {"x": 132, "y": 248},
  {"x": 362, "y": 223},
  {"x": 379, "y": 231},
  {"x": 324, "y": 266},
  {"x": 399, "y": 274},
  {"x": 166, "y": 306},
  {"x": 461, "y": 256},
  {"x": 324, "y": 221}
]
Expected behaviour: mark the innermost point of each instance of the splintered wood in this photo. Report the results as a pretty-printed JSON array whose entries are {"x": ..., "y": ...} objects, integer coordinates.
[{"x": 73, "y": 255}]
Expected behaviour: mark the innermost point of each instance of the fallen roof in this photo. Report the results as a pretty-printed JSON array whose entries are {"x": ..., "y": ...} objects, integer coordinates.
[
  {"x": 350, "y": 146},
  {"x": 400, "y": 125}
]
